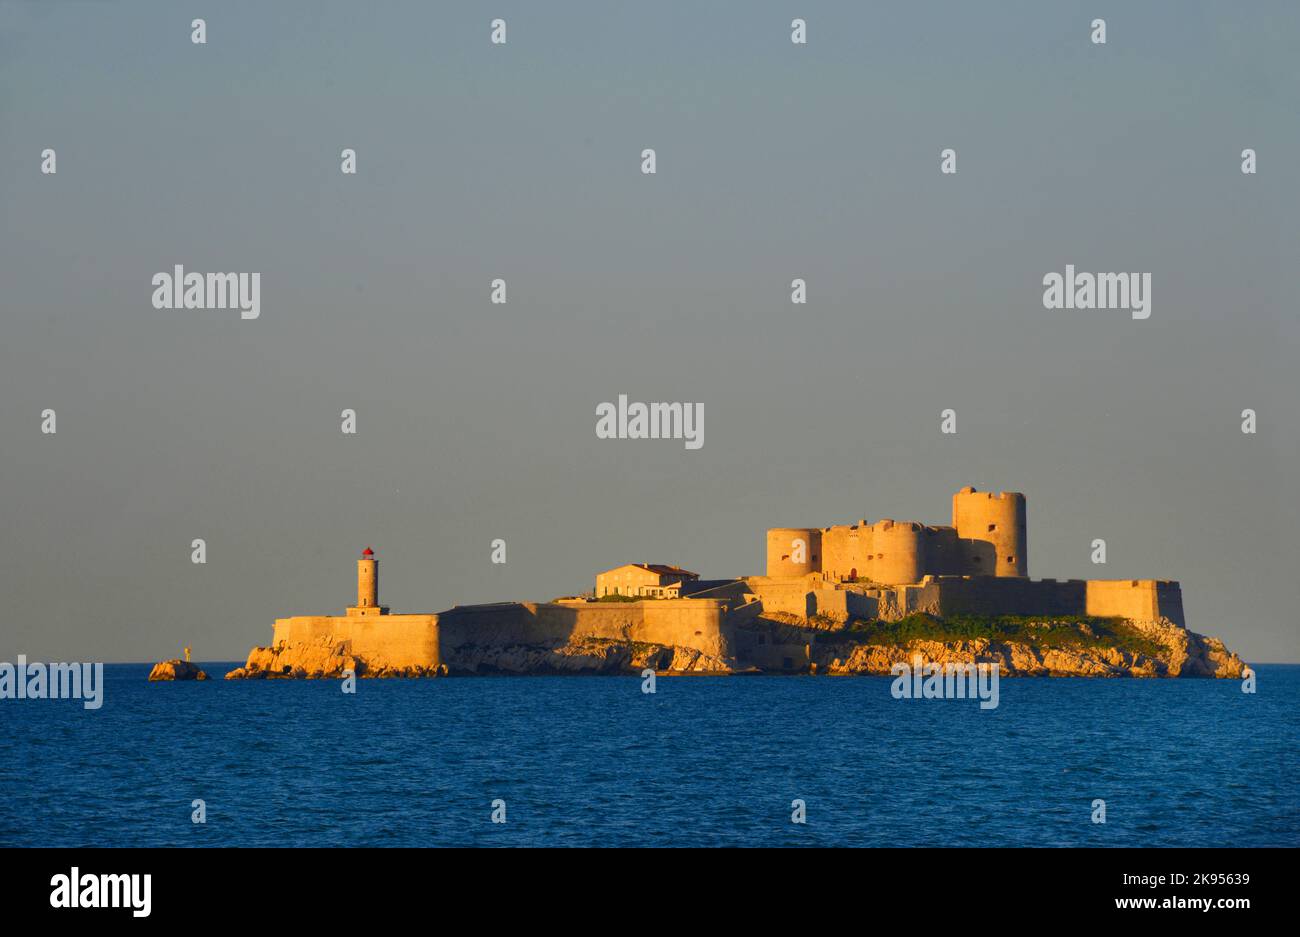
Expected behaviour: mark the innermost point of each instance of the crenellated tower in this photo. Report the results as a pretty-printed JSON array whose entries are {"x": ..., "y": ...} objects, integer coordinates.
[
  {"x": 992, "y": 529},
  {"x": 987, "y": 538}
]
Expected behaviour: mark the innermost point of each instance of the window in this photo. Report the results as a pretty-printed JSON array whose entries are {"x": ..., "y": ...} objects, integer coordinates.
[{"x": 992, "y": 527}]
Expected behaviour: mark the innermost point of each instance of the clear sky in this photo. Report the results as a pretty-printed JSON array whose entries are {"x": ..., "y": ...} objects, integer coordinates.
[{"x": 477, "y": 421}]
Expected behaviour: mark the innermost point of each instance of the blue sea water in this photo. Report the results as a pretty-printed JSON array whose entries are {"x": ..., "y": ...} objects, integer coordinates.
[{"x": 703, "y": 761}]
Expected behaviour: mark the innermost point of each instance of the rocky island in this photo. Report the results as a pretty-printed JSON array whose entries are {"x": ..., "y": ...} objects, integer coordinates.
[
  {"x": 842, "y": 600},
  {"x": 176, "y": 669}
]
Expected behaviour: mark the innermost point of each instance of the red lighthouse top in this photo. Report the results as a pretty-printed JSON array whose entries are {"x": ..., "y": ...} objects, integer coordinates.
[{"x": 367, "y": 552}]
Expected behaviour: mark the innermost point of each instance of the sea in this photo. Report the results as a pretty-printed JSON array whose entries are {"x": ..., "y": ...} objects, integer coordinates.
[{"x": 701, "y": 761}]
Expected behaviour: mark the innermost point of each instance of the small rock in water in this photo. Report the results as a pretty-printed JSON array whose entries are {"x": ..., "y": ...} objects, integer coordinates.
[{"x": 176, "y": 669}]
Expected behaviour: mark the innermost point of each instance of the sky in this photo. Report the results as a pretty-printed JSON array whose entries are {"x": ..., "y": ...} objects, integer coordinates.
[{"x": 476, "y": 421}]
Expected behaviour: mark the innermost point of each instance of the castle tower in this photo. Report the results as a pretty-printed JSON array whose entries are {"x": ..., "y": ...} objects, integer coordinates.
[
  {"x": 993, "y": 530},
  {"x": 793, "y": 551},
  {"x": 899, "y": 552},
  {"x": 367, "y": 586}
]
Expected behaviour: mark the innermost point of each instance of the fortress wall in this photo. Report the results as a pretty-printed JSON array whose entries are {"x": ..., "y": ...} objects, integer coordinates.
[
  {"x": 301, "y": 629},
  {"x": 989, "y": 595},
  {"x": 696, "y": 623},
  {"x": 944, "y": 555},
  {"x": 607, "y": 620},
  {"x": 790, "y": 601},
  {"x": 1138, "y": 599},
  {"x": 500, "y": 624},
  {"x": 976, "y": 558},
  {"x": 393, "y": 640},
  {"x": 1169, "y": 601},
  {"x": 781, "y": 551},
  {"x": 842, "y": 605},
  {"x": 976, "y": 595},
  {"x": 1126, "y": 598},
  {"x": 792, "y": 596},
  {"x": 806, "y": 598},
  {"x": 922, "y": 597},
  {"x": 845, "y": 551},
  {"x": 998, "y": 519}
]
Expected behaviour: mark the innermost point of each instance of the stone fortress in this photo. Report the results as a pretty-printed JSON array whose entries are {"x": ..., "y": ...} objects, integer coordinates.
[
  {"x": 818, "y": 579},
  {"x": 978, "y": 566},
  {"x": 987, "y": 538}
]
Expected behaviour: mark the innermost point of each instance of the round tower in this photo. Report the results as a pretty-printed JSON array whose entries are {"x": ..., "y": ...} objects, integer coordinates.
[
  {"x": 996, "y": 519},
  {"x": 367, "y": 580},
  {"x": 793, "y": 551},
  {"x": 899, "y": 552}
]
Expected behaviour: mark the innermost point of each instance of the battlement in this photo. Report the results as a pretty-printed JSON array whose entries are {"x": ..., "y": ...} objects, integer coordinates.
[
  {"x": 987, "y": 538},
  {"x": 990, "y": 495},
  {"x": 978, "y": 565},
  {"x": 1141, "y": 600}
]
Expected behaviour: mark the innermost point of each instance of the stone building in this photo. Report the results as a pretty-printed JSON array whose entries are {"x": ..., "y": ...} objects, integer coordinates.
[
  {"x": 977, "y": 566},
  {"x": 652, "y": 580},
  {"x": 987, "y": 538}
]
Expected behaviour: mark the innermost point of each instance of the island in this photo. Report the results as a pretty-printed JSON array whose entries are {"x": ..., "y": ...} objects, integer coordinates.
[
  {"x": 852, "y": 599},
  {"x": 176, "y": 669}
]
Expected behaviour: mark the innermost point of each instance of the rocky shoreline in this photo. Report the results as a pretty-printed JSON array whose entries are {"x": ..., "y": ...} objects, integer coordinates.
[
  {"x": 327, "y": 659},
  {"x": 1166, "y": 650}
]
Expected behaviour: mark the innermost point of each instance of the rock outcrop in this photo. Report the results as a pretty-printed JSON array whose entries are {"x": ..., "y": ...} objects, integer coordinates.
[
  {"x": 1176, "y": 653},
  {"x": 1191, "y": 654},
  {"x": 176, "y": 669},
  {"x": 589, "y": 656},
  {"x": 324, "y": 659}
]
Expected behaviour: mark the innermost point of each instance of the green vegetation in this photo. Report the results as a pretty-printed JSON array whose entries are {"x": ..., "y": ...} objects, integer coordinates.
[
  {"x": 1064, "y": 631},
  {"x": 620, "y": 598}
]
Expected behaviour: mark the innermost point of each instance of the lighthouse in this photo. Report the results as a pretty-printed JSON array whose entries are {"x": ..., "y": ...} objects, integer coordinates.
[{"x": 367, "y": 586}]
